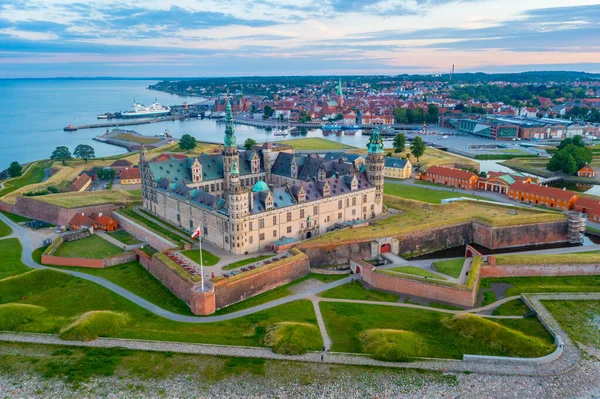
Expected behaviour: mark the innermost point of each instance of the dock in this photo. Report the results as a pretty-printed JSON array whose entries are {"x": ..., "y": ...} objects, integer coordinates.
[{"x": 124, "y": 123}]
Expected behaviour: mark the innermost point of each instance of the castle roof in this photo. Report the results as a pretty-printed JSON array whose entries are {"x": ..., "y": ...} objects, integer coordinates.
[{"x": 260, "y": 186}]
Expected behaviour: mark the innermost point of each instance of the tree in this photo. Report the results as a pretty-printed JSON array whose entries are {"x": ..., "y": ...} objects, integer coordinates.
[
  {"x": 304, "y": 117},
  {"x": 187, "y": 143},
  {"x": 400, "y": 115},
  {"x": 84, "y": 152},
  {"x": 433, "y": 113},
  {"x": 399, "y": 143},
  {"x": 105, "y": 174},
  {"x": 569, "y": 159},
  {"x": 268, "y": 112},
  {"x": 15, "y": 169},
  {"x": 62, "y": 154},
  {"x": 249, "y": 143},
  {"x": 417, "y": 148}
]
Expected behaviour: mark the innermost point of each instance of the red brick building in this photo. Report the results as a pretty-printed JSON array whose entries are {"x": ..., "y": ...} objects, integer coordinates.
[
  {"x": 451, "y": 177},
  {"x": 81, "y": 183},
  {"x": 586, "y": 204},
  {"x": 120, "y": 165},
  {"x": 541, "y": 195},
  {"x": 586, "y": 171}
]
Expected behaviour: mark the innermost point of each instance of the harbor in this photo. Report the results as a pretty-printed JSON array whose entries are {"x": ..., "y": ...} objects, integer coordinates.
[{"x": 72, "y": 128}]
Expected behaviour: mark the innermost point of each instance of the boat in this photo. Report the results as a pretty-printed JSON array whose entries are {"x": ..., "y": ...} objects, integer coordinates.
[
  {"x": 351, "y": 127},
  {"x": 349, "y": 132},
  {"x": 331, "y": 127},
  {"x": 140, "y": 111},
  {"x": 102, "y": 116},
  {"x": 282, "y": 131},
  {"x": 70, "y": 128}
]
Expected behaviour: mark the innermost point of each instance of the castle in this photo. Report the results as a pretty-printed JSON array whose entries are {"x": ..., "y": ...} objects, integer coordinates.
[{"x": 245, "y": 201}]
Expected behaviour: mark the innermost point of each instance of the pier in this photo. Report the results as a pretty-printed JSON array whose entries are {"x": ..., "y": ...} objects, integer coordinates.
[
  {"x": 318, "y": 125},
  {"x": 125, "y": 123}
]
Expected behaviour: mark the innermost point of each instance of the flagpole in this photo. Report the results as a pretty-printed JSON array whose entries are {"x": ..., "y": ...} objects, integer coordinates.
[{"x": 201, "y": 263}]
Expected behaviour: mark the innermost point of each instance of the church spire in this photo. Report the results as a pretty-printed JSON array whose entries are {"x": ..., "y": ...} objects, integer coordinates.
[
  {"x": 376, "y": 143},
  {"x": 339, "y": 88},
  {"x": 230, "y": 140}
]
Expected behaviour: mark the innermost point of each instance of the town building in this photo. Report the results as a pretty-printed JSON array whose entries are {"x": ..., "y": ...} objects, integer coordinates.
[
  {"x": 94, "y": 220},
  {"x": 586, "y": 171},
  {"x": 542, "y": 195},
  {"x": 243, "y": 201},
  {"x": 452, "y": 177},
  {"x": 499, "y": 182},
  {"x": 398, "y": 168},
  {"x": 131, "y": 176},
  {"x": 586, "y": 204},
  {"x": 120, "y": 165},
  {"x": 82, "y": 183}
]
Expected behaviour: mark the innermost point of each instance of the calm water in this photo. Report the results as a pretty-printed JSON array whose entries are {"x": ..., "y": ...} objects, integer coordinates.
[{"x": 34, "y": 113}]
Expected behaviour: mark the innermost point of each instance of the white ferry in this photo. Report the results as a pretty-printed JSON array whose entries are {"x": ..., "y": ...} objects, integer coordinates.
[{"x": 139, "y": 110}]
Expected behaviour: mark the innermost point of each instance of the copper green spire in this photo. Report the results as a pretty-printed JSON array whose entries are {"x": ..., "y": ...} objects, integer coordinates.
[
  {"x": 339, "y": 88},
  {"x": 376, "y": 143},
  {"x": 230, "y": 140}
]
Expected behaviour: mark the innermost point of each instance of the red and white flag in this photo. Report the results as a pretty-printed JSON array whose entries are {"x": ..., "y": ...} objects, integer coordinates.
[{"x": 196, "y": 233}]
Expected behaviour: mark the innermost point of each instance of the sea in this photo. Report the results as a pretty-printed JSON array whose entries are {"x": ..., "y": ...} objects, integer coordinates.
[{"x": 35, "y": 111}]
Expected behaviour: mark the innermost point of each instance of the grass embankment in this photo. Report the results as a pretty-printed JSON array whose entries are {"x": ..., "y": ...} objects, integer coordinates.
[
  {"x": 315, "y": 143},
  {"x": 34, "y": 175},
  {"x": 124, "y": 237},
  {"x": 244, "y": 262},
  {"x": 10, "y": 259},
  {"x": 418, "y": 216},
  {"x": 67, "y": 298},
  {"x": 424, "y": 194},
  {"x": 12, "y": 315},
  {"x": 346, "y": 322},
  {"x": 137, "y": 139},
  {"x": 85, "y": 198},
  {"x": 519, "y": 285},
  {"x": 208, "y": 259},
  {"x": 557, "y": 259},
  {"x": 450, "y": 268},
  {"x": 355, "y": 290},
  {"x": 5, "y": 230},
  {"x": 512, "y": 308},
  {"x": 152, "y": 224},
  {"x": 94, "y": 324},
  {"x": 92, "y": 247},
  {"x": 580, "y": 319},
  {"x": 290, "y": 338},
  {"x": 535, "y": 166},
  {"x": 15, "y": 218},
  {"x": 415, "y": 271},
  {"x": 393, "y": 345}
]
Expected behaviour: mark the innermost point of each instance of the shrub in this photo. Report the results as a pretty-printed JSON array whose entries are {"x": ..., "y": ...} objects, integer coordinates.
[
  {"x": 393, "y": 345},
  {"x": 94, "y": 324},
  {"x": 13, "y": 315},
  {"x": 496, "y": 336},
  {"x": 290, "y": 338}
]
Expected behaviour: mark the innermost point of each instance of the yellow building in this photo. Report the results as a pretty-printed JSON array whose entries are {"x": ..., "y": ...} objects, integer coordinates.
[
  {"x": 398, "y": 168},
  {"x": 131, "y": 176}
]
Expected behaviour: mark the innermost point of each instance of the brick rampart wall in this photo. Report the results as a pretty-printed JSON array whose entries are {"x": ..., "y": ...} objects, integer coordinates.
[
  {"x": 229, "y": 291},
  {"x": 142, "y": 233},
  {"x": 178, "y": 285},
  {"x": 6, "y": 207},
  {"x": 520, "y": 235},
  {"x": 86, "y": 262},
  {"x": 400, "y": 285},
  {"x": 34, "y": 209},
  {"x": 540, "y": 270}
]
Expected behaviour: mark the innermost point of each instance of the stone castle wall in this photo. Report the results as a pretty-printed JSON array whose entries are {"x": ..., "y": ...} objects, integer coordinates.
[
  {"x": 87, "y": 262},
  {"x": 143, "y": 234},
  {"x": 520, "y": 235}
]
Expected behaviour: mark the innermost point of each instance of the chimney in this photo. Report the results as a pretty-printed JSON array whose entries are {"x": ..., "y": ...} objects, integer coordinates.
[
  {"x": 99, "y": 214},
  {"x": 82, "y": 214},
  {"x": 564, "y": 189}
]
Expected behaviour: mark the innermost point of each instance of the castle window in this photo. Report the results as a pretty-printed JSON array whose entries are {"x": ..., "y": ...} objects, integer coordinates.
[
  {"x": 250, "y": 239},
  {"x": 205, "y": 230},
  {"x": 274, "y": 219},
  {"x": 353, "y": 212},
  {"x": 289, "y": 229},
  {"x": 340, "y": 215},
  {"x": 289, "y": 216},
  {"x": 301, "y": 213},
  {"x": 364, "y": 197},
  {"x": 353, "y": 201},
  {"x": 347, "y": 202},
  {"x": 191, "y": 225},
  {"x": 262, "y": 236},
  {"x": 340, "y": 206},
  {"x": 274, "y": 233},
  {"x": 315, "y": 210},
  {"x": 261, "y": 223},
  {"x": 249, "y": 226}
]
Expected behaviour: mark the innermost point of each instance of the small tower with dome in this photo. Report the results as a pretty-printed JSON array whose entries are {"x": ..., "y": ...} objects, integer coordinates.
[{"x": 375, "y": 168}]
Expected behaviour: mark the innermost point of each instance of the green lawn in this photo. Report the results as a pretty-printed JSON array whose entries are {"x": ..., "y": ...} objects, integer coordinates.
[
  {"x": 208, "y": 259},
  {"x": 560, "y": 259},
  {"x": 415, "y": 271},
  {"x": 67, "y": 298},
  {"x": 244, "y": 262},
  {"x": 10, "y": 261},
  {"x": 124, "y": 237},
  {"x": 5, "y": 230},
  {"x": 315, "y": 143},
  {"x": 134, "y": 278},
  {"x": 450, "y": 268},
  {"x": 15, "y": 218},
  {"x": 346, "y": 321},
  {"x": 512, "y": 308},
  {"x": 33, "y": 176},
  {"x": 546, "y": 284},
  {"x": 92, "y": 247},
  {"x": 424, "y": 194},
  {"x": 580, "y": 319},
  {"x": 356, "y": 290}
]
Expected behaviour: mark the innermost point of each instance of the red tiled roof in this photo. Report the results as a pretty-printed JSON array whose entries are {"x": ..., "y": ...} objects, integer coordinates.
[
  {"x": 132, "y": 173},
  {"x": 80, "y": 182},
  {"x": 551, "y": 192},
  {"x": 450, "y": 172},
  {"x": 586, "y": 202},
  {"x": 121, "y": 163},
  {"x": 80, "y": 219},
  {"x": 101, "y": 219}
]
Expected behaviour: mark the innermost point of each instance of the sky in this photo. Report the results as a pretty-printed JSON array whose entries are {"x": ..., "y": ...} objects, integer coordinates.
[{"x": 194, "y": 38}]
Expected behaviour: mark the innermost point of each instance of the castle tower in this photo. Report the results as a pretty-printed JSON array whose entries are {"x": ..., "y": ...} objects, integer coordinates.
[
  {"x": 148, "y": 184},
  {"x": 375, "y": 168},
  {"x": 340, "y": 94},
  {"x": 237, "y": 199},
  {"x": 196, "y": 171},
  {"x": 266, "y": 152},
  {"x": 230, "y": 151}
]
